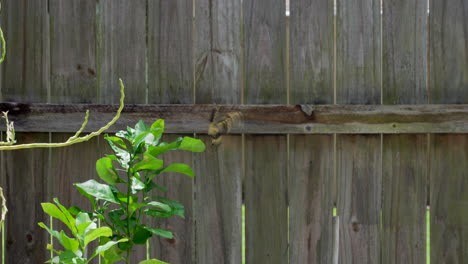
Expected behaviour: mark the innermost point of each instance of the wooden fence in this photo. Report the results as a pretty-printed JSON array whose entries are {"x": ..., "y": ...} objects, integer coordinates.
[{"x": 234, "y": 52}]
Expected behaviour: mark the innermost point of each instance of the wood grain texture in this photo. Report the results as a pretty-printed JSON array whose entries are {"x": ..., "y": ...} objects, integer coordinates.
[
  {"x": 170, "y": 62},
  {"x": 449, "y": 52},
  {"x": 218, "y": 202},
  {"x": 449, "y": 199},
  {"x": 218, "y": 51},
  {"x": 310, "y": 199},
  {"x": 358, "y": 52},
  {"x": 404, "y": 49},
  {"x": 180, "y": 188},
  {"x": 265, "y": 51},
  {"x": 122, "y": 50},
  {"x": 311, "y": 52},
  {"x": 404, "y": 195},
  {"x": 73, "y": 51},
  {"x": 25, "y": 71},
  {"x": 359, "y": 198},
  {"x": 25, "y": 178},
  {"x": 266, "y": 199}
]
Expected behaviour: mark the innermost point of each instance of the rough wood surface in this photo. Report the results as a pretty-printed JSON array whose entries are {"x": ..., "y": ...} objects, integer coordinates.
[
  {"x": 404, "y": 49},
  {"x": 449, "y": 52},
  {"x": 311, "y": 52},
  {"x": 310, "y": 199},
  {"x": 218, "y": 51},
  {"x": 358, "y": 52},
  {"x": 25, "y": 71},
  {"x": 122, "y": 50},
  {"x": 359, "y": 198},
  {"x": 218, "y": 202},
  {"x": 25, "y": 174},
  {"x": 404, "y": 195},
  {"x": 266, "y": 217},
  {"x": 170, "y": 62},
  {"x": 73, "y": 51},
  {"x": 449, "y": 199},
  {"x": 180, "y": 188},
  {"x": 272, "y": 119},
  {"x": 265, "y": 51}
]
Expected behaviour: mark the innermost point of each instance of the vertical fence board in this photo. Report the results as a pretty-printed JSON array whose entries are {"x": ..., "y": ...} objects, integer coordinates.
[
  {"x": 170, "y": 69},
  {"x": 180, "y": 188},
  {"x": 218, "y": 51},
  {"x": 266, "y": 199},
  {"x": 311, "y": 52},
  {"x": 358, "y": 52},
  {"x": 310, "y": 198},
  {"x": 404, "y": 76},
  {"x": 311, "y": 156},
  {"x": 122, "y": 50},
  {"x": 218, "y": 188},
  {"x": 265, "y": 50},
  {"x": 404, "y": 50},
  {"x": 449, "y": 84},
  {"x": 449, "y": 52},
  {"x": 359, "y": 157},
  {"x": 404, "y": 199},
  {"x": 359, "y": 198},
  {"x": 25, "y": 71},
  {"x": 73, "y": 51},
  {"x": 266, "y": 170},
  {"x": 218, "y": 202},
  {"x": 25, "y": 173},
  {"x": 449, "y": 199},
  {"x": 170, "y": 81}
]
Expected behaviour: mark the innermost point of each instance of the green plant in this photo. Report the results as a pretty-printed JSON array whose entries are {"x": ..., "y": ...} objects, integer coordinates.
[{"x": 127, "y": 195}]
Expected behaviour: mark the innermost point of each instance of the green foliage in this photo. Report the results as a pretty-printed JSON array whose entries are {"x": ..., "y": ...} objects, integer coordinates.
[
  {"x": 129, "y": 175},
  {"x": 83, "y": 231}
]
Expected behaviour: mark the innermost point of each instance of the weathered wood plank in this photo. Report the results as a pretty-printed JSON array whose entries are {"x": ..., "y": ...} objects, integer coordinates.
[
  {"x": 311, "y": 52},
  {"x": 218, "y": 203},
  {"x": 358, "y": 52},
  {"x": 25, "y": 72},
  {"x": 218, "y": 51},
  {"x": 404, "y": 195},
  {"x": 73, "y": 51},
  {"x": 266, "y": 199},
  {"x": 170, "y": 62},
  {"x": 310, "y": 199},
  {"x": 265, "y": 51},
  {"x": 180, "y": 188},
  {"x": 449, "y": 199},
  {"x": 25, "y": 173},
  {"x": 273, "y": 119},
  {"x": 449, "y": 52},
  {"x": 122, "y": 49},
  {"x": 359, "y": 198},
  {"x": 404, "y": 49}
]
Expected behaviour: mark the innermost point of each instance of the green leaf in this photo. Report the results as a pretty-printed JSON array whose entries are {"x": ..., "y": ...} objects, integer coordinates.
[
  {"x": 135, "y": 206},
  {"x": 164, "y": 147},
  {"x": 106, "y": 171},
  {"x": 192, "y": 144},
  {"x": 180, "y": 168},
  {"x": 54, "y": 233},
  {"x": 118, "y": 141},
  {"x": 115, "y": 217},
  {"x": 122, "y": 155},
  {"x": 69, "y": 243},
  {"x": 160, "y": 232},
  {"x": 97, "y": 233},
  {"x": 158, "y": 124},
  {"x": 97, "y": 190},
  {"x": 153, "y": 261},
  {"x": 163, "y": 206},
  {"x": 107, "y": 246},
  {"x": 148, "y": 163},
  {"x": 68, "y": 215},
  {"x": 137, "y": 185},
  {"x": 141, "y": 235},
  {"x": 177, "y": 208},
  {"x": 54, "y": 211}
]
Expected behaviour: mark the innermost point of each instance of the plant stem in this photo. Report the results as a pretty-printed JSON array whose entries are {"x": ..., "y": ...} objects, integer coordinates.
[{"x": 129, "y": 176}]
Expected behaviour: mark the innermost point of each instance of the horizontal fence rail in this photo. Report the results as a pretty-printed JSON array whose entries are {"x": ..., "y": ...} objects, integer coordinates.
[{"x": 248, "y": 119}]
